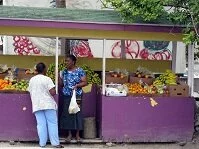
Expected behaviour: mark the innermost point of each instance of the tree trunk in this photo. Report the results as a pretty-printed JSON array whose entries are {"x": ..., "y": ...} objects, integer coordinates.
[
  {"x": 61, "y": 3},
  {"x": 65, "y": 43}
]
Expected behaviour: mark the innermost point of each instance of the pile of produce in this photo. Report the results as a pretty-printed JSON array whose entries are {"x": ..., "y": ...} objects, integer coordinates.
[
  {"x": 167, "y": 78},
  {"x": 159, "y": 86},
  {"x": 7, "y": 85},
  {"x": 10, "y": 81},
  {"x": 142, "y": 72},
  {"x": 4, "y": 84},
  {"x": 136, "y": 88},
  {"x": 21, "y": 85},
  {"x": 141, "y": 88},
  {"x": 119, "y": 73},
  {"x": 92, "y": 77},
  {"x": 51, "y": 70}
]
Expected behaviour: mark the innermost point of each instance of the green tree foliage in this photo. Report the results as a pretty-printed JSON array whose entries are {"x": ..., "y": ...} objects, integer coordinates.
[
  {"x": 181, "y": 12},
  {"x": 148, "y": 10}
]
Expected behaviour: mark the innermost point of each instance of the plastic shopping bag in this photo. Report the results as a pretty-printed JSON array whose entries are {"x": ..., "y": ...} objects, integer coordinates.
[{"x": 73, "y": 107}]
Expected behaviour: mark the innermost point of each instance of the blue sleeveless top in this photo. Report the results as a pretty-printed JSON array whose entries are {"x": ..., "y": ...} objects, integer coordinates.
[{"x": 70, "y": 79}]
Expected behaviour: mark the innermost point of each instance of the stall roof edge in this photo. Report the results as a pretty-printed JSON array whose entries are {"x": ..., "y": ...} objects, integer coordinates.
[
  {"x": 63, "y": 15},
  {"x": 90, "y": 22}
]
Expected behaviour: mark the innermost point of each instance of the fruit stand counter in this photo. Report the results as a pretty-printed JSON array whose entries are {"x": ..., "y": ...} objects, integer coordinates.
[
  {"x": 134, "y": 119},
  {"x": 17, "y": 123}
]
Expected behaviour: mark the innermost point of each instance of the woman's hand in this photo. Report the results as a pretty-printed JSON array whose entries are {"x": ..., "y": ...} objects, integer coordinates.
[
  {"x": 75, "y": 87},
  {"x": 81, "y": 84}
]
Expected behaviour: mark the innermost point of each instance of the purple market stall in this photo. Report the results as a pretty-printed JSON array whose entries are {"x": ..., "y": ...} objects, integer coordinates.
[
  {"x": 147, "y": 113},
  {"x": 17, "y": 121},
  {"x": 133, "y": 119},
  {"x": 119, "y": 119}
]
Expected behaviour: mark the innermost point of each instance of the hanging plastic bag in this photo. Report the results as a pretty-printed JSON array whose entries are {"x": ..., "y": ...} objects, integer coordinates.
[{"x": 73, "y": 107}]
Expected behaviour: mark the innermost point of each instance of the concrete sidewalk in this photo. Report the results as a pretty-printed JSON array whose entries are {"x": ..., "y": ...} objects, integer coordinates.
[
  {"x": 98, "y": 144},
  {"x": 37, "y": 148},
  {"x": 6, "y": 145}
]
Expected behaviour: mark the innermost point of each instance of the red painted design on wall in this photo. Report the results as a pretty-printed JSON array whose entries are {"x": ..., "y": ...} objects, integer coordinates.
[
  {"x": 23, "y": 46},
  {"x": 81, "y": 48},
  {"x": 160, "y": 55},
  {"x": 133, "y": 50}
]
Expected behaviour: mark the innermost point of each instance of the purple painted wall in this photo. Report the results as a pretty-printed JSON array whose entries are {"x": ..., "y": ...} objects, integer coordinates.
[
  {"x": 89, "y": 103},
  {"x": 16, "y": 119},
  {"x": 133, "y": 119}
]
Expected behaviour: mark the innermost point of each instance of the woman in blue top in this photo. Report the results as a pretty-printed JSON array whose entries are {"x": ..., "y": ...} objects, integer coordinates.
[{"x": 71, "y": 78}]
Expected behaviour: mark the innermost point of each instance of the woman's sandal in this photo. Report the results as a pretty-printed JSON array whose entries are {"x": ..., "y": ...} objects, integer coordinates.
[
  {"x": 79, "y": 140},
  {"x": 68, "y": 139},
  {"x": 59, "y": 146}
]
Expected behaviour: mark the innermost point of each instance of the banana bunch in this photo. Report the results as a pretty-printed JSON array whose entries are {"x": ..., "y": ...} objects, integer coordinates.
[
  {"x": 51, "y": 70},
  {"x": 167, "y": 78},
  {"x": 158, "y": 82},
  {"x": 92, "y": 77},
  {"x": 170, "y": 78},
  {"x": 159, "y": 85}
]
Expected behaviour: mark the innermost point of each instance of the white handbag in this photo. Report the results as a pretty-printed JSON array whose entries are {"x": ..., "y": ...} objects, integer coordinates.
[{"x": 73, "y": 107}]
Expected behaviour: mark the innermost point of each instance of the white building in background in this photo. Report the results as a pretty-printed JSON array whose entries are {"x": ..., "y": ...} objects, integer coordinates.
[{"x": 134, "y": 49}]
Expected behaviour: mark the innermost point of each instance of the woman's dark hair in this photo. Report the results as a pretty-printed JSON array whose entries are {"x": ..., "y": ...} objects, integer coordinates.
[
  {"x": 40, "y": 67},
  {"x": 73, "y": 58}
]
